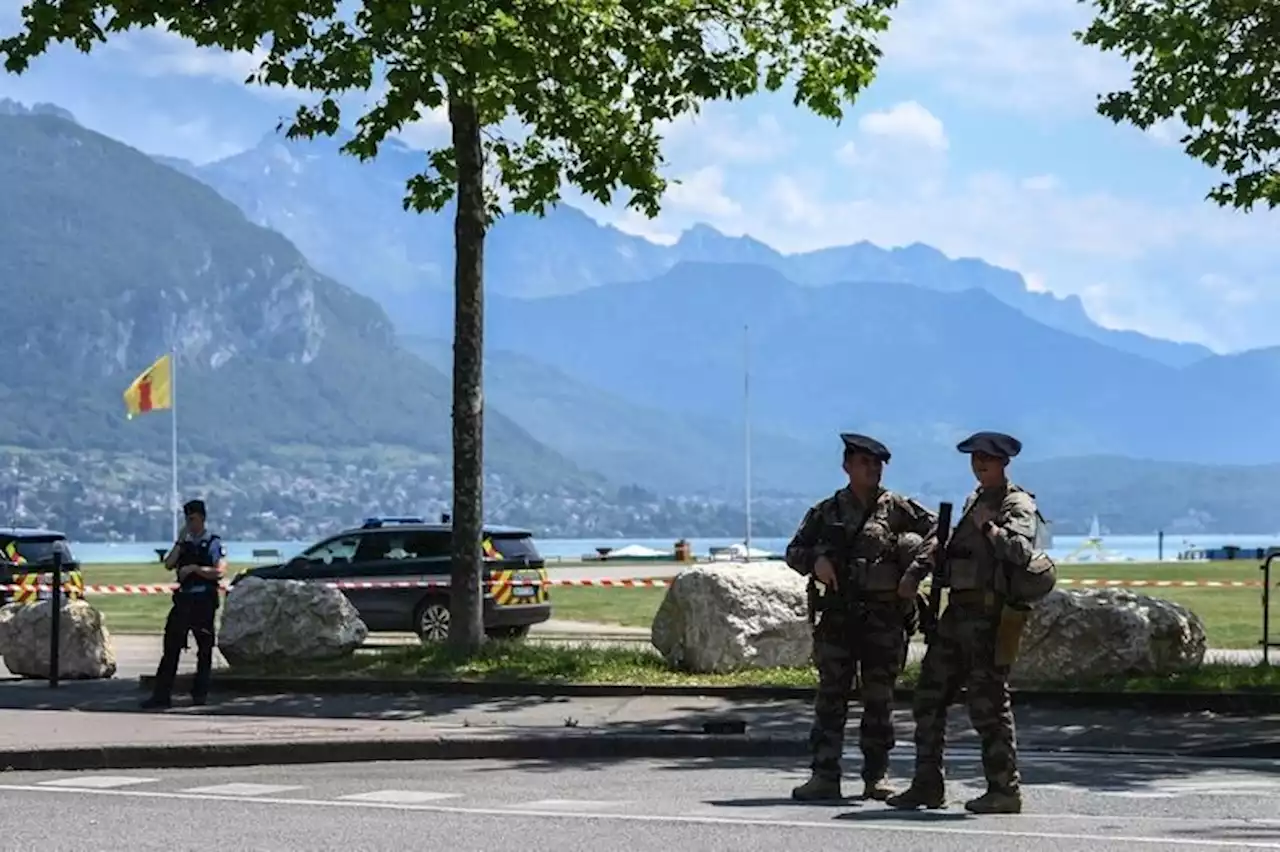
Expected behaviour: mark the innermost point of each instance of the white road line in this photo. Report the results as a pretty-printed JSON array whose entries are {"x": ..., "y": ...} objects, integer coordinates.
[
  {"x": 240, "y": 789},
  {"x": 585, "y": 804},
  {"x": 837, "y": 825},
  {"x": 404, "y": 797},
  {"x": 97, "y": 782},
  {"x": 905, "y": 751}
]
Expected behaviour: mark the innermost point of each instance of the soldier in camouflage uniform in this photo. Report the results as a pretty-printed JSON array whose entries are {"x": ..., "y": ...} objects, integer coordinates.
[
  {"x": 998, "y": 526},
  {"x": 857, "y": 544}
]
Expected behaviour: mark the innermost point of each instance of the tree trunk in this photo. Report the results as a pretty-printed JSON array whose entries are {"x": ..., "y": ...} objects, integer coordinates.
[{"x": 466, "y": 609}]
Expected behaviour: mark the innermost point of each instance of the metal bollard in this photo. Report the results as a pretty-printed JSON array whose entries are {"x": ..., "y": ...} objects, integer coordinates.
[{"x": 55, "y": 618}]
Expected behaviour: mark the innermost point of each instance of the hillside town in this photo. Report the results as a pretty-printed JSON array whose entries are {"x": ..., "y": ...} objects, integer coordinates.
[{"x": 110, "y": 497}]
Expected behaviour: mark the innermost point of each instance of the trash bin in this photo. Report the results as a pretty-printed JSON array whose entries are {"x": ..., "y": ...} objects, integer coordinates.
[{"x": 684, "y": 553}]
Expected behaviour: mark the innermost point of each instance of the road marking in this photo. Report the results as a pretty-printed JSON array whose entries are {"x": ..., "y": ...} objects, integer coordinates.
[
  {"x": 569, "y": 803},
  {"x": 905, "y": 751},
  {"x": 404, "y": 797},
  {"x": 1174, "y": 789},
  {"x": 97, "y": 782},
  {"x": 838, "y": 825},
  {"x": 240, "y": 789}
]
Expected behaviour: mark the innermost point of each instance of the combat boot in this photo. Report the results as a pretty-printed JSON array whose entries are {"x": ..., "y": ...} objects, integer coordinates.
[
  {"x": 878, "y": 789},
  {"x": 996, "y": 802},
  {"x": 926, "y": 791},
  {"x": 818, "y": 789}
]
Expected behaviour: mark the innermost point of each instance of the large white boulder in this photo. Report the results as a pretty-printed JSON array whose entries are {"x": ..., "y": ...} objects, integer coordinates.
[
  {"x": 724, "y": 617},
  {"x": 1086, "y": 634},
  {"x": 283, "y": 621},
  {"x": 85, "y": 650}
]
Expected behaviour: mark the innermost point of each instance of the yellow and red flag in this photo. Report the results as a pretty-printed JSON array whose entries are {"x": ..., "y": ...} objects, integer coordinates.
[
  {"x": 152, "y": 390},
  {"x": 12, "y": 554}
]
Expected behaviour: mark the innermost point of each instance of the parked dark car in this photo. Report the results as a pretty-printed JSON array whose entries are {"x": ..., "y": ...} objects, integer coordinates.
[
  {"x": 26, "y": 558},
  {"x": 410, "y": 550}
]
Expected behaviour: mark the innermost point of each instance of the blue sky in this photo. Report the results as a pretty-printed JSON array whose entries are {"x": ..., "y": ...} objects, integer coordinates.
[{"x": 979, "y": 138}]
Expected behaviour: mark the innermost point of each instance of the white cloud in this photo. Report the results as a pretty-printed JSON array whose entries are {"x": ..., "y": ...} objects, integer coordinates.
[
  {"x": 1008, "y": 53},
  {"x": 848, "y": 154},
  {"x": 1040, "y": 183},
  {"x": 160, "y": 52},
  {"x": 1167, "y": 132},
  {"x": 702, "y": 194},
  {"x": 428, "y": 132},
  {"x": 906, "y": 122},
  {"x": 719, "y": 135}
]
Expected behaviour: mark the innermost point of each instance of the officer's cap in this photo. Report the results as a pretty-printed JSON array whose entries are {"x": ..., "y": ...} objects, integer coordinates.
[
  {"x": 995, "y": 444},
  {"x": 194, "y": 507},
  {"x": 854, "y": 443}
]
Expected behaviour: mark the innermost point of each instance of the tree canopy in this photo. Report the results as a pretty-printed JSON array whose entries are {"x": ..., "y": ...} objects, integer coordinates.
[
  {"x": 1213, "y": 66},
  {"x": 588, "y": 83}
]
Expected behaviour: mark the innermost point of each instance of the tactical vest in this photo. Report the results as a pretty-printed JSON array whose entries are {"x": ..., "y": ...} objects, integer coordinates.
[
  {"x": 873, "y": 560},
  {"x": 972, "y": 564},
  {"x": 200, "y": 551}
]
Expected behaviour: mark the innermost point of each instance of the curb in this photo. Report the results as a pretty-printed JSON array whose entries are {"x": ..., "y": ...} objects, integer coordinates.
[
  {"x": 529, "y": 746},
  {"x": 1238, "y": 703},
  {"x": 524, "y": 747}
]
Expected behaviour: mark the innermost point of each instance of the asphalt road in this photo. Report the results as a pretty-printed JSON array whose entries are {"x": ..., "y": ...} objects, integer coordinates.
[{"x": 1100, "y": 804}]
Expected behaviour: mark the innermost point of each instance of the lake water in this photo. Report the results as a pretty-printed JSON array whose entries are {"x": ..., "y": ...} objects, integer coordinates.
[{"x": 1136, "y": 548}]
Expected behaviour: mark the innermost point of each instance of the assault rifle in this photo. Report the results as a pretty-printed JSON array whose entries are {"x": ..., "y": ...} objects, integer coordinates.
[{"x": 929, "y": 617}]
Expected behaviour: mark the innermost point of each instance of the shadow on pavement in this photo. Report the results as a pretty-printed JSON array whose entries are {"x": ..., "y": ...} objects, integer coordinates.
[{"x": 1228, "y": 834}]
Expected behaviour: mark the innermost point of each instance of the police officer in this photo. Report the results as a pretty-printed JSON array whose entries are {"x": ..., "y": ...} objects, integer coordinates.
[{"x": 200, "y": 561}]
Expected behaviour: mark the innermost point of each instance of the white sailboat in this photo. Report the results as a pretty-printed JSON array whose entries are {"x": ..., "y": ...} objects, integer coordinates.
[{"x": 1093, "y": 550}]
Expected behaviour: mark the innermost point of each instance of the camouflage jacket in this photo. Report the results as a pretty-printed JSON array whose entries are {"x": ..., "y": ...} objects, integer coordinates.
[
  {"x": 889, "y": 541},
  {"x": 973, "y": 556}
]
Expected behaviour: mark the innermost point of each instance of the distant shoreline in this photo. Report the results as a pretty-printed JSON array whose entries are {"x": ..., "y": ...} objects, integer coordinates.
[{"x": 1144, "y": 548}]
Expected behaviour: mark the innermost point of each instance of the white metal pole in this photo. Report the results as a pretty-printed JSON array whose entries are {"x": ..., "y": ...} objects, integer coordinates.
[
  {"x": 746, "y": 428},
  {"x": 173, "y": 438}
]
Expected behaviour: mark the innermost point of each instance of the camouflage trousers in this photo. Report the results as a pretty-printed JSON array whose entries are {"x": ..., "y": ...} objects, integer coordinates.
[
  {"x": 872, "y": 642},
  {"x": 964, "y": 656}
]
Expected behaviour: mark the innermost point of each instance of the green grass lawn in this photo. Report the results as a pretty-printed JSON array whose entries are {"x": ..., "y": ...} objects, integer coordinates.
[
  {"x": 1233, "y": 617},
  {"x": 537, "y": 663}
]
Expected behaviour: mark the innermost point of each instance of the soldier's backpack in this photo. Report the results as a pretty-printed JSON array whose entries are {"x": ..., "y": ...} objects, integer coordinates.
[{"x": 1031, "y": 583}]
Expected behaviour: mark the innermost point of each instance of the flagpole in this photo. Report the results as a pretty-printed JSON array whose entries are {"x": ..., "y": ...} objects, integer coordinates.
[
  {"x": 173, "y": 438},
  {"x": 746, "y": 429}
]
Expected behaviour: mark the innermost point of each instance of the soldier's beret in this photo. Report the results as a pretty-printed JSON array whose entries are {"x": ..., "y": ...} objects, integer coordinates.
[
  {"x": 991, "y": 444},
  {"x": 194, "y": 507},
  {"x": 862, "y": 444}
]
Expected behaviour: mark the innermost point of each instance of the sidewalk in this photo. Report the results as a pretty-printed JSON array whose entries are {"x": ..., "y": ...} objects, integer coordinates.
[{"x": 98, "y": 725}]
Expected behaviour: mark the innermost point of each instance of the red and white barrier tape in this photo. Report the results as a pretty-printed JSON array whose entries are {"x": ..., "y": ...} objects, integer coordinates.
[
  {"x": 636, "y": 583},
  {"x": 167, "y": 588}
]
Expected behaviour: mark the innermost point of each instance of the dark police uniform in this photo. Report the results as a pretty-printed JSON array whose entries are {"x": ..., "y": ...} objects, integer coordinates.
[{"x": 195, "y": 606}]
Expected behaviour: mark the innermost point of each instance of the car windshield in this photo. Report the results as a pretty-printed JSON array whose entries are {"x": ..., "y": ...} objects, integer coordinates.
[{"x": 33, "y": 550}]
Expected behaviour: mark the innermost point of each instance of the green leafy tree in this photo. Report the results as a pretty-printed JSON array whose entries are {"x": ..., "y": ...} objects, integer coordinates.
[
  {"x": 538, "y": 93},
  {"x": 1213, "y": 65}
]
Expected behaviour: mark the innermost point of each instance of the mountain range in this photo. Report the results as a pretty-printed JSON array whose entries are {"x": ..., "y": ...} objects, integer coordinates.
[
  {"x": 347, "y": 217},
  {"x": 109, "y": 259},
  {"x": 611, "y": 360}
]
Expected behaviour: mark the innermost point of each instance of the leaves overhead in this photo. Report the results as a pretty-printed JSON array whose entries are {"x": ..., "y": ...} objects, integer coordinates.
[
  {"x": 588, "y": 84},
  {"x": 1214, "y": 66}
]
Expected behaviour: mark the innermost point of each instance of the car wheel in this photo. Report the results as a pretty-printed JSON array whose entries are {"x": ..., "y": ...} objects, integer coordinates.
[
  {"x": 433, "y": 621},
  {"x": 510, "y": 632}
]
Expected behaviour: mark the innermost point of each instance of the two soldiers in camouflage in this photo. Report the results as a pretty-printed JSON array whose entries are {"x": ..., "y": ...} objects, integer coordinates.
[{"x": 870, "y": 548}]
